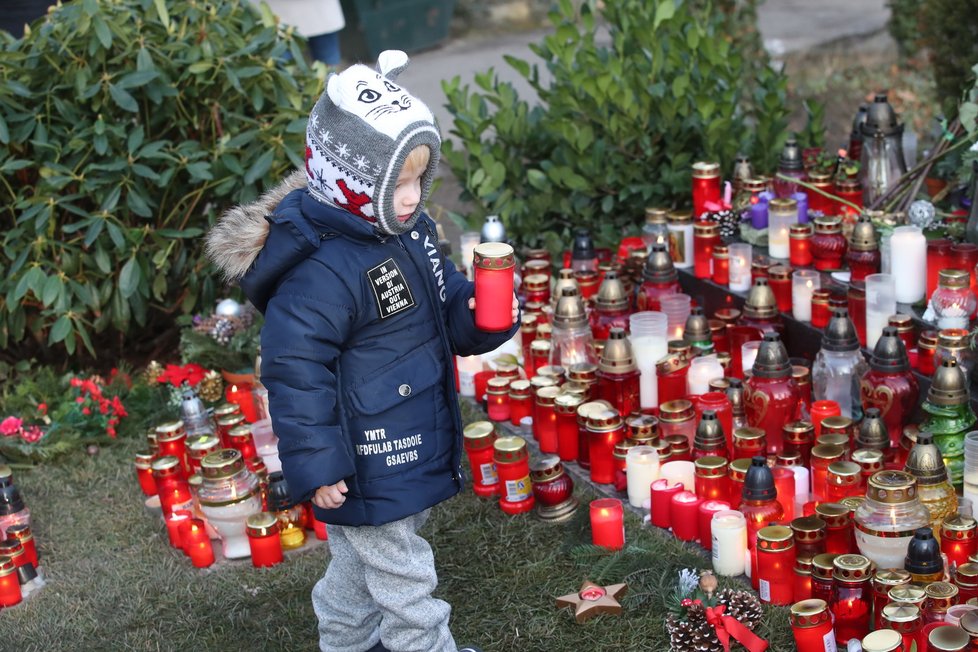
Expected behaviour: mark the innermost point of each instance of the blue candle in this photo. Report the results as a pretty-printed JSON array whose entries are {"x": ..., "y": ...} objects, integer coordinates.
[
  {"x": 758, "y": 215},
  {"x": 802, "y": 199}
]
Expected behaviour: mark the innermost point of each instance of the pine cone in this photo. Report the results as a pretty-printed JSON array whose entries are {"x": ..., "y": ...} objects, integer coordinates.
[
  {"x": 742, "y": 605},
  {"x": 211, "y": 387},
  {"x": 152, "y": 371},
  {"x": 693, "y": 634}
]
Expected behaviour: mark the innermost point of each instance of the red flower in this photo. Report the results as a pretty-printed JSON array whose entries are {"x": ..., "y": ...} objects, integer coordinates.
[
  {"x": 86, "y": 411},
  {"x": 42, "y": 408},
  {"x": 32, "y": 434},
  {"x": 10, "y": 426},
  {"x": 110, "y": 431},
  {"x": 175, "y": 374},
  {"x": 79, "y": 399}
]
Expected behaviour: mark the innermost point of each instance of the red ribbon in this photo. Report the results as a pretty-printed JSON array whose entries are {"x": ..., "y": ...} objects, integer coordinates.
[{"x": 727, "y": 626}]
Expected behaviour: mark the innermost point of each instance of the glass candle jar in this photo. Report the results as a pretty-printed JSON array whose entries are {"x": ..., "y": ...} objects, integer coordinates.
[
  {"x": 10, "y": 593},
  {"x": 721, "y": 264},
  {"x": 171, "y": 485},
  {"x": 536, "y": 288},
  {"x": 172, "y": 441},
  {"x": 809, "y": 535},
  {"x": 958, "y": 541},
  {"x": 821, "y": 457},
  {"x": 706, "y": 186},
  {"x": 553, "y": 489},
  {"x": 811, "y": 626},
  {"x": 838, "y": 527},
  {"x": 228, "y": 496},
  {"x": 729, "y": 545},
  {"x": 605, "y": 429},
  {"x": 677, "y": 417},
  {"x": 782, "y": 213},
  {"x": 885, "y": 579},
  {"x": 799, "y": 437},
  {"x": 711, "y": 478},
  {"x": 540, "y": 352},
  {"x": 779, "y": 279},
  {"x": 706, "y": 236},
  {"x": 679, "y": 450},
  {"x": 821, "y": 310},
  {"x": 144, "y": 472},
  {"x": 850, "y": 597},
  {"x": 821, "y": 200},
  {"x": 513, "y": 468},
  {"x": 568, "y": 438},
  {"x": 495, "y": 266},
  {"x": 905, "y": 618},
  {"x": 479, "y": 437},
  {"x": 938, "y": 598},
  {"x": 545, "y": 419},
  {"x": 775, "y": 564},
  {"x": 952, "y": 301},
  {"x": 263, "y": 539},
  {"x": 885, "y": 522},
  {"x": 799, "y": 245},
  {"x": 671, "y": 378},
  {"x": 741, "y": 257},
  {"x": 828, "y": 243}
]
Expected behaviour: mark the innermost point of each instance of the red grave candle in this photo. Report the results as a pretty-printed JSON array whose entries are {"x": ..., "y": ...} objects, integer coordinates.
[
  {"x": 966, "y": 579},
  {"x": 779, "y": 280},
  {"x": 710, "y": 478},
  {"x": 706, "y": 186},
  {"x": 241, "y": 439},
  {"x": 889, "y": 384},
  {"x": 607, "y": 523},
  {"x": 225, "y": 424},
  {"x": 736, "y": 474},
  {"x": 811, "y": 625},
  {"x": 748, "y": 442},
  {"x": 263, "y": 539},
  {"x": 838, "y": 527},
  {"x": 885, "y": 579},
  {"x": 319, "y": 529},
  {"x": 958, "y": 540},
  {"x": 9, "y": 583},
  {"x": 512, "y": 465},
  {"x": 536, "y": 288},
  {"x": 605, "y": 429},
  {"x": 684, "y": 515},
  {"x": 822, "y": 202},
  {"x": 821, "y": 311},
  {"x": 850, "y": 597},
  {"x": 964, "y": 255},
  {"x": 803, "y": 578},
  {"x": 721, "y": 265},
  {"x": 197, "y": 544},
  {"x": 671, "y": 374},
  {"x": 775, "y": 564},
  {"x": 822, "y": 410},
  {"x": 799, "y": 245},
  {"x": 171, "y": 485},
  {"x": 172, "y": 441},
  {"x": 200, "y": 447},
  {"x": 828, "y": 244},
  {"x": 856, "y": 300},
  {"x": 851, "y": 191},
  {"x": 617, "y": 374},
  {"x": 568, "y": 437},
  {"x": 662, "y": 494},
  {"x": 520, "y": 401},
  {"x": 545, "y": 419},
  {"x": 798, "y": 437},
  {"x": 771, "y": 395},
  {"x": 706, "y": 511},
  {"x": 784, "y": 484},
  {"x": 481, "y": 379},
  {"x": 242, "y": 396},
  {"x": 173, "y": 524},
  {"x": 494, "y": 265},
  {"x": 22, "y": 533},
  {"x": 706, "y": 236},
  {"x": 842, "y": 480},
  {"x": 144, "y": 472},
  {"x": 821, "y": 457},
  {"x": 497, "y": 399},
  {"x": 479, "y": 437}
]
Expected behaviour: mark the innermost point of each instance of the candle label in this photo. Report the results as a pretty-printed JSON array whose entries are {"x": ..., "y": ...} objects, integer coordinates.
[
  {"x": 390, "y": 289},
  {"x": 765, "y": 590},
  {"x": 517, "y": 490},
  {"x": 828, "y": 640},
  {"x": 188, "y": 505},
  {"x": 677, "y": 246},
  {"x": 488, "y": 473}
]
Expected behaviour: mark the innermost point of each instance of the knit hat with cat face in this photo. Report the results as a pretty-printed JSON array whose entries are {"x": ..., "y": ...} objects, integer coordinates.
[{"x": 359, "y": 134}]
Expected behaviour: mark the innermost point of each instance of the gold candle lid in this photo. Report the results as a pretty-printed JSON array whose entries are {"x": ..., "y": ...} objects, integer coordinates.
[
  {"x": 827, "y": 224},
  {"x": 676, "y": 411},
  {"x": 940, "y": 591},
  {"x": 479, "y": 435},
  {"x": 547, "y": 395},
  {"x": 509, "y": 449},
  {"x": 809, "y": 613},
  {"x": 710, "y": 466},
  {"x": 868, "y": 459},
  {"x": 604, "y": 420},
  {"x": 536, "y": 282},
  {"x": 497, "y": 385},
  {"x": 552, "y": 371},
  {"x": 705, "y": 170},
  {"x": 200, "y": 447},
  {"x": 949, "y": 386},
  {"x": 655, "y": 215},
  {"x": 166, "y": 465},
  {"x": 852, "y": 503},
  {"x": 568, "y": 403},
  {"x": 833, "y": 439},
  {"x": 261, "y": 524},
  {"x": 542, "y": 381},
  {"x": 749, "y": 434},
  {"x": 611, "y": 295},
  {"x": 965, "y": 575},
  {"x": 837, "y": 424},
  {"x": 670, "y": 364},
  {"x": 229, "y": 421},
  {"x": 706, "y": 228},
  {"x": 737, "y": 469},
  {"x": 823, "y": 565},
  {"x": 835, "y": 515},
  {"x": 519, "y": 388},
  {"x": 892, "y": 487},
  {"x": 827, "y": 452},
  {"x": 782, "y": 206},
  {"x": 851, "y": 568},
  {"x": 891, "y": 577},
  {"x": 540, "y": 348},
  {"x": 226, "y": 409},
  {"x": 808, "y": 528},
  {"x": 901, "y": 612},
  {"x": 953, "y": 278},
  {"x": 960, "y": 525},
  {"x": 243, "y": 430},
  {"x": 144, "y": 459},
  {"x": 949, "y": 638},
  {"x": 642, "y": 426},
  {"x": 800, "y": 231},
  {"x": 847, "y": 471},
  {"x": 584, "y": 410},
  {"x": 680, "y": 216},
  {"x": 774, "y": 537},
  {"x": 907, "y": 593},
  {"x": 221, "y": 463},
  {"x": 170, "y": 431},
  {"x": 493, "y": 255},
  {"x": 546, "y": 468},
  {"x": 798, "y": 432}
]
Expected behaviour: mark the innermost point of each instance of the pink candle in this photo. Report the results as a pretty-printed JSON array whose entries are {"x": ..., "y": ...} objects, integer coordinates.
[
  {"x": 607, "y": 523},
  {"x": 684, "y": 515},
  {"x": 662, "y": 495},
  {"x": 706, "y": 511}
]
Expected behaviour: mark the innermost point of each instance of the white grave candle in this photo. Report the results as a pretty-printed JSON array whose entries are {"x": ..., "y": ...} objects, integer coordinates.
[
  {"x": 729, "y": 529},
  {"x": 740, "y": 259},
  {"x": 641, "y": 470},
  {"x": 804, "y": 282},
  {"x": 680, "y": 471},
  {"x": 908, "y": 251}
]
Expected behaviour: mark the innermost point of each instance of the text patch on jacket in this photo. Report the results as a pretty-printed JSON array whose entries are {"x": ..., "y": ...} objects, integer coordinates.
[{"x": 390, "y": 289}]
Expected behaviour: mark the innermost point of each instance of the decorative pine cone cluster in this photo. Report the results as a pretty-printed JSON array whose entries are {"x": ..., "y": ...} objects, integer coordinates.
[
  {"x": 696, "y": 635},
  {"x": 729, "y": 223},
  {"x": 222, "y": 328}
]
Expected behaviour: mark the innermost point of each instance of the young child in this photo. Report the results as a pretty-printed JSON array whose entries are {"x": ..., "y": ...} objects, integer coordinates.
[{"x": 362, "y": 317}]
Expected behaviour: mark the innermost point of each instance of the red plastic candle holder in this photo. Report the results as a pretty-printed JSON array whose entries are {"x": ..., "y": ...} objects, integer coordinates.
[
  {"x": 144, "y": 473},
  {"x": 798, "y": 437},
  {"x": 512, "y": 465},
  {"x": 545, "y": 419},
  {"x": 822, "y": 410},
  {"x": 779, "y": 280},
  {"x": 706, "y": 186},
  {"x": 958, "y": 539},
  {"x": 605, "y": 429},
  {"x": 495, "y": 265},
  {"x": 938, "y": 258},
  {"x": 748, "y": 442},
  {"x": 684, "y": 515},
  {"x": 264, "y": 540},
  {"x": 22, "y": 533},
  {"x": 520, "y": 401},
  {"x": 172, "y": 441},
  {"x": 197, "y": 544},
  {"x": 706, "y": 236},
  {"x": 721, "y": 265},
  {"x": 850, "y": 604},
  {"x": 821, "y": 311},
  {"x": 172, "y": 487},
  {"x": 9, "y": 583},
  {"x": 619, "y": 389},
  {"x": 838, "y": 528},
  {"x": 800, "y": 245},
  {"x": 241, "y": 439},
  {"x": 607, "y": 523},
  {"x": 811, "y": 625},
  {"x": 568, "y": 437},
  {"x": 775, "y": 564},
  {"x": 479, "y": 438}
]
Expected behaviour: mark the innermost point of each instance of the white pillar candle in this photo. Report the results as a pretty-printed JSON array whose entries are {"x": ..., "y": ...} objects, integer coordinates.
[
  {"x": 748, "y": 353},
  {"x": 802, "y": 480},
  {"x": 782, "y": 213},
  {"x": 468, "y": 367},
  {"x": 641, "y": 470},
  {"x": 881, "y": 300},
  {"x": 908, "y": 251},
  {"x": 680, "y": 471},
  {"x": 649, "y": 345},
  {"x": 467, "y": 242},
  {"x": 701, "y": 371},
  {"x": 804, "y": 282},
  {"x": 741, "y": 255},
  {"x": 729, "y": 529}
]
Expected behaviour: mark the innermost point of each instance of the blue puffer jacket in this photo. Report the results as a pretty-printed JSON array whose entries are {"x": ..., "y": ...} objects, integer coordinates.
[{"x": 356, "y": 355}]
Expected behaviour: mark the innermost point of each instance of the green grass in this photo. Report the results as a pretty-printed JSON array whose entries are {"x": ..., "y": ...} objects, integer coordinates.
[{"x": 115, "y": 583}]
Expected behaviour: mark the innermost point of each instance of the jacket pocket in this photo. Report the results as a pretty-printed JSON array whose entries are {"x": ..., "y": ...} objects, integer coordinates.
[{"x": 398, "y": 418}]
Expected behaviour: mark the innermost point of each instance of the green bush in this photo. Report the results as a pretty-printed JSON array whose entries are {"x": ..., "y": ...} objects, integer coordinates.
[
  {"x": 617, "y": 127},
  {"x": 950, "y": 31},
  {"x": 127, "y": 126},
  {"x": 904, "y": 25}
]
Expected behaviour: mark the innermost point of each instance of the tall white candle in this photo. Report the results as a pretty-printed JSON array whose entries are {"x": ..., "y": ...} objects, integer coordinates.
[
  {"x": 748, "y": 353},
  {"x": 740, "y": 260},
  {"x": 908, "y": 251},
  {"x": 468, "y": 367},
  {"x": 881, "y": 293},
  {"x": 701, "y": 371},
  {"x": 649, "y": 345},
  {"x": 641, "y": 470},
  {"x": 804, "y": 282},
  {"x": 729, "y": 529},
  {"x": 782, "y": 213},
  {"x": 680, "y": 471},
  {"x": 467, "y": 243}
]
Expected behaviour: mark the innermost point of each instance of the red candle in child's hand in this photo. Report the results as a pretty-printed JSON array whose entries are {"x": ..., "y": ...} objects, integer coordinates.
[
  {"x": 684, "y": 515},
  {"x": 607, "y": 523},
  {"x": 662, "y": 495},
  {"x": 9, "y": 583},
  {"x": 494, "y": 271},
  {"x": 706, "y": 511}
]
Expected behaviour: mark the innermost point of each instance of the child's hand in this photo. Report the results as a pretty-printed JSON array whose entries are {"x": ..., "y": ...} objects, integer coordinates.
[
  {"x": 516, "y": 307},
  {"x": 330, "y": 496}
]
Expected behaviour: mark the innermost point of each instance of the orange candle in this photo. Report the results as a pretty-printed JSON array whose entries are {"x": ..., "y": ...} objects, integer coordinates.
[{"x": 607, "y": 523}]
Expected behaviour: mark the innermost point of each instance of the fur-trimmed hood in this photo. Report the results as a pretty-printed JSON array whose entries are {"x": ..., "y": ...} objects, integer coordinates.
[{"x": 239, "y": 235}]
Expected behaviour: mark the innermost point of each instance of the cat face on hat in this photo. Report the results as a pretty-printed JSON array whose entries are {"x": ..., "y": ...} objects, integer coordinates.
[{"x": 358, "y": 136}]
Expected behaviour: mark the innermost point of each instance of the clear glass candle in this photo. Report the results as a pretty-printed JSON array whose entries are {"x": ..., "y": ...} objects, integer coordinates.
[
  {"x": 885, "y": 522},
  {"x": 804, "y": 282},
  {"x": 881, "y": 300},
  {"x": 740, "y": 266},
  {"x": 648, "y": 339},
  {"x": 782, "y": 214},
  {"x": 953, "y": 301}
]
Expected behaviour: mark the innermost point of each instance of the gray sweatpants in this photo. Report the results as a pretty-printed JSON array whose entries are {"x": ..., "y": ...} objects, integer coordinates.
[{"x": 378, "y": 587}]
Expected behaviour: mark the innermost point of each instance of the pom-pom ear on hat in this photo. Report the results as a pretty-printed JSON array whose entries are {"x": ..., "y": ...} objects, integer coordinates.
[{"x": 392, "y": 63}]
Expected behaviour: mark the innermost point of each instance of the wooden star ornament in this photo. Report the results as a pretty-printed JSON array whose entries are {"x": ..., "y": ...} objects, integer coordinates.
[{"x": 593, "y": 600}]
